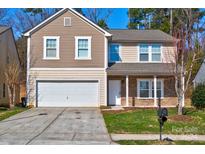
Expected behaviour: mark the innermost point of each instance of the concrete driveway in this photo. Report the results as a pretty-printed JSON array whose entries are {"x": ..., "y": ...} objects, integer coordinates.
[{"x": 55, "y": 126}]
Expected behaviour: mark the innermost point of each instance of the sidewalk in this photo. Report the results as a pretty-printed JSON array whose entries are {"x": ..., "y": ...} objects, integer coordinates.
[{"x": 117, "y": 137}]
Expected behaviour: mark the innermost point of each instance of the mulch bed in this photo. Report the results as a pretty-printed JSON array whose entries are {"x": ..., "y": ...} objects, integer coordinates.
[
  {"x": 125, "y": 110},
  {"x": 181, "y": 118}
]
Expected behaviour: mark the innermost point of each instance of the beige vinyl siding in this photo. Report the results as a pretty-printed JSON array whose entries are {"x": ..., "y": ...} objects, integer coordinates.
[
  {"x": 130, "y": 51},
  {"x": 67, "y": 75},
  {"x": 67, "y": 43},
  {"x": 168, "y": 55}
]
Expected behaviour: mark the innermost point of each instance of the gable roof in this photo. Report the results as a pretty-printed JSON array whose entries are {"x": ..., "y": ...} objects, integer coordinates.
[
  {"x": 200, "y": 76},
  {"x": 127, "y": 35},
  {"x": 54, "y": 16},
  {"x": 3, "y": 29}
]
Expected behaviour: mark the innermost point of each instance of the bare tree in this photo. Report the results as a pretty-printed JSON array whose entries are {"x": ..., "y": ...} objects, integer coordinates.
[
  {"x": 3, "y": 13},
  {"x": 99, "y": 16},
  {"x": 11, "y": 73},
  {"x": 186, "y": 45}
]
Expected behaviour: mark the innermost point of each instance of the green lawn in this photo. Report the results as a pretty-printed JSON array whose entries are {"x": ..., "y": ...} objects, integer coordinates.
[
  {"x": 145, "y": 121},
  {"x": 155, "y": 142},
  {"x": 6, "y": 113}
]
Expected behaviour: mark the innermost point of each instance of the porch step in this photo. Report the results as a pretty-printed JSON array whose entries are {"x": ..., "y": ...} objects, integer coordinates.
[{"x": 117, "y": 108}]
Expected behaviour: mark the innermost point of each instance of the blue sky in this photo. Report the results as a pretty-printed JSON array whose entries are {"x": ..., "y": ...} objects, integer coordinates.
[{"x": 118, "y": 19}]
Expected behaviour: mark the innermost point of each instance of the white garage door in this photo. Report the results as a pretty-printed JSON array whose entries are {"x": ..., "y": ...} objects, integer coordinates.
[{"x": 67, "y": 94}]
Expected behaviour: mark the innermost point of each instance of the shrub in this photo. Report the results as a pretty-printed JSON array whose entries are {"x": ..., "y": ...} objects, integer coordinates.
[{"x": 198, "y": 97}]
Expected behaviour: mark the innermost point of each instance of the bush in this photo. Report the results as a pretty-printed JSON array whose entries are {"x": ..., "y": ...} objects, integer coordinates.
[{"x": 198, "y": 97}]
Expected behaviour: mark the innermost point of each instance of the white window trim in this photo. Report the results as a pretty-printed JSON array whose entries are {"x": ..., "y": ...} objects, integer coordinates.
[
  {"x": 120, "y": 53},
  {"x": 149, "y": 52},
  {"x": 89, "y": 47},
  {"x": 57, "y": 47},
  {"x": 150, "y": 88},
  {"x": 64, "y": 21}
]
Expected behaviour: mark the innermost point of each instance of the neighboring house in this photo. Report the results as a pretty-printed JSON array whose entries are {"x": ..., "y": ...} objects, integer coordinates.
[
  {"x": 200, "y": 76},
  {"x": 8, "y": 53},
  {"x": 72, "y": 62}
]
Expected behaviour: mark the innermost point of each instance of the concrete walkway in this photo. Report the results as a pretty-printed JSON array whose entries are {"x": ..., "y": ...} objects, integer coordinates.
[
  {"x": 55, "y": 126},
  {"x": 117, "y": 137}
]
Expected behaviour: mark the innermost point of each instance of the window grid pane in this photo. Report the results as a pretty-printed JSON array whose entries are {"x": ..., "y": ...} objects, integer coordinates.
[
  {"x": 83, "y": 48},
  {"x": 156, "y": 56},
  {"x": 51, "y": 48},
  {"x": 82, "y": 53},
  {"x": 156, "y": 52},
  {"x": 83, "y": 44},
  {"x": 144, "y": 55},
  {"x": 51, "y": 53},
  {"x": 156, "y": 48},
  {"x": 51, "y": 43},
  {"x": 114, "y": 52},
  {"x": 144, "y": 89}
]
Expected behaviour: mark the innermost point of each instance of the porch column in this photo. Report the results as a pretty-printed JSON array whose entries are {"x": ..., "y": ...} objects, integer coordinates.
[
  {"x": 127, "y": 90},
  {"x": 155, "y": 91}
]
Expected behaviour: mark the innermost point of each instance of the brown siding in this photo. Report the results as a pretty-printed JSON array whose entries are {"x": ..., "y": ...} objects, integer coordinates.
[{"x": 67, "y": 43}]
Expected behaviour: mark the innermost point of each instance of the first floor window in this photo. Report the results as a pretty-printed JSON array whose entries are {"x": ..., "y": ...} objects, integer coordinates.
[
  {"x": 83, "y": 48},
  {"x": 114, "y": 53},
  {"x": 159, "y": 88},
  {"x": 51, "y": 47},
  {"x": 146, "y": 88}
]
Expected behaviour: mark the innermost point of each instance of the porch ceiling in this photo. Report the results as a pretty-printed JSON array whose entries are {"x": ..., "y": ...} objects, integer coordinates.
[{"x": 166, "y": 69}]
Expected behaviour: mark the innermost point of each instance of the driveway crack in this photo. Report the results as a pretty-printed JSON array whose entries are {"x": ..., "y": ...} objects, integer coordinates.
[{"x": 46, "y": 126}]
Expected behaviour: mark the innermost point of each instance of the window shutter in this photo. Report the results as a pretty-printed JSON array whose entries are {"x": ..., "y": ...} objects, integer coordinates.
[{"x": 67, "y": 21}]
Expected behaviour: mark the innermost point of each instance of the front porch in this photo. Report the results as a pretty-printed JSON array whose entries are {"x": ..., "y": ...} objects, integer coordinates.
[{"x": 138, "y": 88}]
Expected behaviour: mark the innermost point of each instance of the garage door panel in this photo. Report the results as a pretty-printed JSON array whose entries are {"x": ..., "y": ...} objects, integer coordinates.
[{"x": 67, "y": 94}]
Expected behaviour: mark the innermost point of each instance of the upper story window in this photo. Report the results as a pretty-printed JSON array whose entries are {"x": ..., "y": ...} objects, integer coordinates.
[
  {"x": 114, "y": 53},
  {"x": 156, "y": 52},
  {"x": 82, "y": 47},
  {"x": 144, "y": 52},
  {"x": 150, "y": 53},
  {"x": 51, "y": 47}
]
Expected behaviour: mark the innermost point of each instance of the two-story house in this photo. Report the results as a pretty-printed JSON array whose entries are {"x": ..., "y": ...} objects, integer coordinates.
[
  {"x": 8, "y": 54},
  {"x": 72, "y": 62}
]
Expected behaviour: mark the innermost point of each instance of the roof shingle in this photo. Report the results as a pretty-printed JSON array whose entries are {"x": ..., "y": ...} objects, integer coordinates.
[
  {"x": 3, "y": 28},
  {"x": 141, "y": 69},
  {"x": 127, "y": 35}
]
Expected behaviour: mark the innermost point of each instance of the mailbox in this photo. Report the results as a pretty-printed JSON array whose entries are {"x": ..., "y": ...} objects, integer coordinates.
[{"x": 162, "y": 113}]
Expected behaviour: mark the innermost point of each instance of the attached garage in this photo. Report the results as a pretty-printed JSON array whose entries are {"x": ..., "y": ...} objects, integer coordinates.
[{"x": 67, "y": 94}]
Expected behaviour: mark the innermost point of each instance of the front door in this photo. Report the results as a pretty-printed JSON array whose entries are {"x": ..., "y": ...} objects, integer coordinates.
[{"x": 114, "y": 92}]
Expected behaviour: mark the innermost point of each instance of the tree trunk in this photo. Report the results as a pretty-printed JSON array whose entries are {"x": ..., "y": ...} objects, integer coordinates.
[
  {"x": 180, "y": 107},
  {"x": 10, "y": 94}
]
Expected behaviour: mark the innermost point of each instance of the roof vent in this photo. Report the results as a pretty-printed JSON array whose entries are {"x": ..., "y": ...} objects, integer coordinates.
[{"x": 67, "y": 21}]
